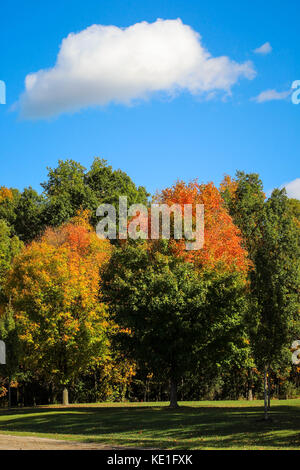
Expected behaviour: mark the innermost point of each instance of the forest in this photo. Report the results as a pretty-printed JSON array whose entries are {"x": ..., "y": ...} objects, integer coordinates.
[{"x": 90, "y": 320}]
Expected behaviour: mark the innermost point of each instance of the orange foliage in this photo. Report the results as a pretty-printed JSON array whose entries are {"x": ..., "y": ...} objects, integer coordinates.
[
  {"x": 5, "y": 193},
  {"x": 222, "y": 239},
  {"x": 78, "y": 236},
  {"x": 54, "y": 287},
  {"x": 230, "y": 185}
]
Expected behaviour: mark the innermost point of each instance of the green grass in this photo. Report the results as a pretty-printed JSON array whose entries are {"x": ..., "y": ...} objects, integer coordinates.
[{"x": 195, "y": 425}]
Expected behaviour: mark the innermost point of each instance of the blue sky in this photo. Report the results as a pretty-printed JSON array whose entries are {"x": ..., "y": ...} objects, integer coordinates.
[{"x": 164, "y": 136}]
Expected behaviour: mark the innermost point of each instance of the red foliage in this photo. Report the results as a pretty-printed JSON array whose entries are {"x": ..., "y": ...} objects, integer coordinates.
[{"x": 222, "y": 239}]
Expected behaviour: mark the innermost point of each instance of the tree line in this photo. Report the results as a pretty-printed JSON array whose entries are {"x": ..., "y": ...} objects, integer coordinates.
[{"x": 146, "y": 319}]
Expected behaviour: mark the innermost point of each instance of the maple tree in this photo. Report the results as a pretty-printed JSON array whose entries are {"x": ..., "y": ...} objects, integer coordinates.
[
  {"x": 53, "y": 285},
  {"x": 222, "y": 248}
]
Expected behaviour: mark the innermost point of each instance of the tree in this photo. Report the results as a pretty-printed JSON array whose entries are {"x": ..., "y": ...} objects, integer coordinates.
[
  {"x": 108, "y": 184},
  {"x": 65, "y": 192},
  {"x": 53, "y": 286},
  {"x": 222, "y": 248},
  {"x": 23, "y": 212},
  {"x": 29, "y": 220},
  {"x": 8, "y": 202},
  {"x": 245, "y": 199},
  {"x": 170, "y": 312},
  {"x": 9, "y": 248},
  {"x": 271, "y": 235},
  {"x": 70, "y": 188},
  {"x": 222, "y": 255},
  {"x": 276, "y": 286},
  {"x": 10, "y": 335},
  {"x": 294, "y": 208}
]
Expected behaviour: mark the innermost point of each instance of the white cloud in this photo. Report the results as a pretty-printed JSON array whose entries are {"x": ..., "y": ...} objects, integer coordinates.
[
  {"x": 293, "y": 189},
  {"x": 264, "y": 49},
  {"x": 271, "y": 95},
  {"x": 104, "y": 64}
]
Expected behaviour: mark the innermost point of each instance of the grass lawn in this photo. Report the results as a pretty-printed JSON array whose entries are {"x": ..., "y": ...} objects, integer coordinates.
[{"x": 195, "y": 425}]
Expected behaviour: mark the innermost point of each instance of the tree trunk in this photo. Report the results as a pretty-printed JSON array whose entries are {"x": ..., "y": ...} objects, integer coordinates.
[
  {"x": 123, "y": 394},
  {"x": 22, "y": 396},
  {"x": 250, "y": 386},
  {"x": 65, "y": 396},
  {"x": 269, "y": 391},
  {"x": 50, "y": 396},
  {"x": 18, "y": 395},
  {"x": 9, "y": 392},
  {"x": 95, "y": 387},
  {"x": 266, "y": 393},
  {"x": 173, "y": 393}
]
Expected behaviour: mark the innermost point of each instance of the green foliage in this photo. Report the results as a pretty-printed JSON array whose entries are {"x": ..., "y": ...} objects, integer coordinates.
[
  {"x": 209, "y": 331},
  {"x": 9, "y": 247},
  {"x": 270, "y": 232},
  {"x": 108, "y": 184},
  {"x": 29, "y": 220},
  {"x": 10, "y": 335},
  {"x": 277, "y": 283},
  {"x": 53, "y": 286},
  {"x": 245, "y": 202},
  {"x": 70, "y": 188},
  {"x": 66, "y": 192},
  {"x": 294, "y": 208},
  {"x": 9, "y": 199},
  {"x": 177, "y": 316}
]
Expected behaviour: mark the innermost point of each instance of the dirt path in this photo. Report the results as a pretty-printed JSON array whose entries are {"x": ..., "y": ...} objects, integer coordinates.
[{"x": 40, "y": 443}]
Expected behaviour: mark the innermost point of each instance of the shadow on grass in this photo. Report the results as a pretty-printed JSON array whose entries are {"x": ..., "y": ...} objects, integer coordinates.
[{"x": 187, "y": 427}]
